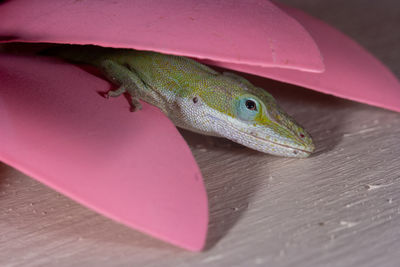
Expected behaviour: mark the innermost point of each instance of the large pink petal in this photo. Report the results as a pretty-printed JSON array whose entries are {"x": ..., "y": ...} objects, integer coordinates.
[
  {"x": 350, "y": 71},
  {"x": 132, "y": 167},
  {"x": 252, "y": 32}
]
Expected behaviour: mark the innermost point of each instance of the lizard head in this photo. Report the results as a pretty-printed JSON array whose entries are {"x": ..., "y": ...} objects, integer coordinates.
[
  {"x": 250, "y": 116},
  {"x": 262, "y": 125}
]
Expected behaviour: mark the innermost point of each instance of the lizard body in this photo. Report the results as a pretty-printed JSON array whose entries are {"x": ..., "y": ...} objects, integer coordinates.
[{"x": 198, "y": 98}]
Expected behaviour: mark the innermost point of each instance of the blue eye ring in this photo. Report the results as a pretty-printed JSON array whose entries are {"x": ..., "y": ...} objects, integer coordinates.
[{"x": 248, "y": 108}]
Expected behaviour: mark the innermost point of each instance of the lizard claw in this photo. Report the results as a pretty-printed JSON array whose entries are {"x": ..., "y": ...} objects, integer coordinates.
[
  {"x": 136, "y": 108},
  {"x": 103, "y": 94}
]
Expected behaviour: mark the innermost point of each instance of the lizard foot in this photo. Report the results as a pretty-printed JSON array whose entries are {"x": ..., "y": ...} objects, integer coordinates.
[
  {"x": 116, "y": 93},
  {"x": 135, "y": 104}
]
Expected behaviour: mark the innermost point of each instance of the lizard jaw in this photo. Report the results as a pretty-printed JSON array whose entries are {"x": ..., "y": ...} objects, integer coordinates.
[
  {"x": 279, "y": 149},
  {"x": 225, "y": 128}
]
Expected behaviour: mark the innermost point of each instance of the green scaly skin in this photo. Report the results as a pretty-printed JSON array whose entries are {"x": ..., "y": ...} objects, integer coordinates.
[{"x": 197, "y": 98}]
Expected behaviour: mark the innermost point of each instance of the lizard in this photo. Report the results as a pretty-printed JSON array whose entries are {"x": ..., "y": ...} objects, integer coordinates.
[{"x": 196, "y": 97}]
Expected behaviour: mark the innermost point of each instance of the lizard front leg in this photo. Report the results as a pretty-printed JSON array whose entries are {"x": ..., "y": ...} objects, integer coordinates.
[{"x": 126, "y": 79}]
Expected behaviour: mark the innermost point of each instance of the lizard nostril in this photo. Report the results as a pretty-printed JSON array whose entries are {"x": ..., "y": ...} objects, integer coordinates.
[
  {"x": 195, "y": 99},
  {"x": 302, "y": 135}
]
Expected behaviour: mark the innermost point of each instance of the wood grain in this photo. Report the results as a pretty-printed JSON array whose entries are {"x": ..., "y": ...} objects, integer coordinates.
[{"x": 340, "y": 207}]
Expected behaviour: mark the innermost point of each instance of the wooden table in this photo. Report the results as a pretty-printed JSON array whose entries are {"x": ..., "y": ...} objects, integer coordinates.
[{"x": 340, "y": 207}]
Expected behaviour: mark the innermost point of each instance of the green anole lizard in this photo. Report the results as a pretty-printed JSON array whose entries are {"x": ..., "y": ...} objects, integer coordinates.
[{"x": 197, "y": 98}]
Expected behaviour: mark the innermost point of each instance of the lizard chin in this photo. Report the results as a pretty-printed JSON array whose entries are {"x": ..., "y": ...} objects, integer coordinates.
[
  {"x": 263, "y": 140},
  {"x": 276, "y": 146}
]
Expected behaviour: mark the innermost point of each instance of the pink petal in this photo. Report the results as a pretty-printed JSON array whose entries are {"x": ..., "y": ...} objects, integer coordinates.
[
  {"x": 253, "y": 32},
  {"x": 350, "y": 71},
  {"x": 132, "y": 167}
]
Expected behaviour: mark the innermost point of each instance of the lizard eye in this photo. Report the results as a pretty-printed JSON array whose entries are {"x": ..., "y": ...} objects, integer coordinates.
[{"x": 251, "y": 105}]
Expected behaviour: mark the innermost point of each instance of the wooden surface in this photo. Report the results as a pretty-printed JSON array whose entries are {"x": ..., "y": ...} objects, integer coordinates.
[{"x": 340, "y": 207}]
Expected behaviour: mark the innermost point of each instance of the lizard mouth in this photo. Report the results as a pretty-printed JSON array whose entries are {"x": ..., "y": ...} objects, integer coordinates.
[
  {"x": 304, "y": 152},
  {"x": 295, "y": 149}
]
